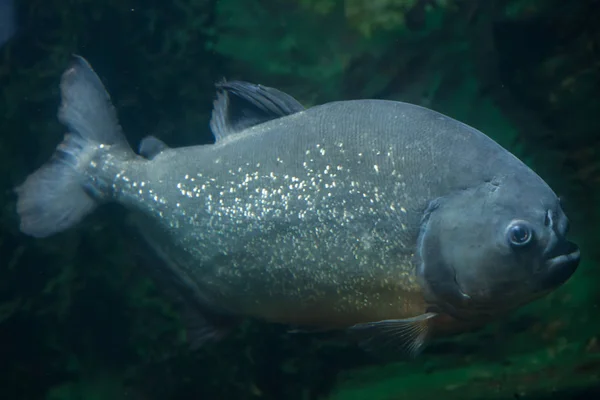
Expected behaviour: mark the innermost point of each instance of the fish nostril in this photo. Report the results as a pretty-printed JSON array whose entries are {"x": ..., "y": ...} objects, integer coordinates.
[
  {"x": 558, "y": 222},
  {"x": 548, "y": 218}
]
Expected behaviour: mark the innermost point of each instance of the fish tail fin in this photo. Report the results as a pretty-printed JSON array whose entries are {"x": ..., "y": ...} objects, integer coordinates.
[{"x": 59, "y": 194}]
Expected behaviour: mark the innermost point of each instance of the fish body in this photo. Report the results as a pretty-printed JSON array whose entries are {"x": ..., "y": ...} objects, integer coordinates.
[{"x": 369, "y": 215}]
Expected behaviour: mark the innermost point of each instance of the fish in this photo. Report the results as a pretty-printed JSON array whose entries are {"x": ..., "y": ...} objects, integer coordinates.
[{"x": 384, "y": 220}]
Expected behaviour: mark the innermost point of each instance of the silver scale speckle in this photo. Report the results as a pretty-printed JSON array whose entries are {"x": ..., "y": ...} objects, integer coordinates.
[{"x": 288, "y": 217}]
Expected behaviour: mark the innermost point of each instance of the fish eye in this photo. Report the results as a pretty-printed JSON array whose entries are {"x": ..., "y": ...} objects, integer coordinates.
[{"x": 519, "y": 233}]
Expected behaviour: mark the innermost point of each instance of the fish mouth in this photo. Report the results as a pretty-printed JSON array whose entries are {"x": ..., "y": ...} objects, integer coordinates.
[{"x": 563, "y": 262}]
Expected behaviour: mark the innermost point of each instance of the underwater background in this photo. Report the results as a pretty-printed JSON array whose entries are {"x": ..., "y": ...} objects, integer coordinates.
[{"x": 79, "y": 318}]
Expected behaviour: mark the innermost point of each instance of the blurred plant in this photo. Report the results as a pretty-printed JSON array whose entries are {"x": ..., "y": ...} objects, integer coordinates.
[{"x": 368, "y": 16}]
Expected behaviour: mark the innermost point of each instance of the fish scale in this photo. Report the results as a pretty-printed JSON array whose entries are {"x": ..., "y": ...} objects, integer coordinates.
[{"x": 255, "y": 211}]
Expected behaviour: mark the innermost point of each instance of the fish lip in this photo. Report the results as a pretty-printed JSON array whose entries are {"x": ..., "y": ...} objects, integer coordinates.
[
  {"x": 563, "y": 259},
  {"x": 562, "y": 266}
]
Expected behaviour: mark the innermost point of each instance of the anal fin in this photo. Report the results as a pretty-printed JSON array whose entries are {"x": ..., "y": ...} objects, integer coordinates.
[
  {"x": 203, "y": 320},
  {"x": 201, "y": 326},
  {"x": 406, "y": 337}
]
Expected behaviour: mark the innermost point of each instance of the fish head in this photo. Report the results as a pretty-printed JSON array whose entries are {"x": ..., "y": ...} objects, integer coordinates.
[{"x": 493, "y": 247}]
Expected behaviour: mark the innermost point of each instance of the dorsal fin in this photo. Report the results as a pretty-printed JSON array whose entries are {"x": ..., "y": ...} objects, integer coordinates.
[{"x": 240, "y": 105}]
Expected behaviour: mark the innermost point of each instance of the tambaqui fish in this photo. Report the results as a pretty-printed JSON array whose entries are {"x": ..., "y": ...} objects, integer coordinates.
[{"x": 376, "y": 217}]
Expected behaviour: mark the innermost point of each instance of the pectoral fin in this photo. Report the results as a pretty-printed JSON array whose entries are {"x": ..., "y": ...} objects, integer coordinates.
[{"x": 406, "y": 336}]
